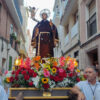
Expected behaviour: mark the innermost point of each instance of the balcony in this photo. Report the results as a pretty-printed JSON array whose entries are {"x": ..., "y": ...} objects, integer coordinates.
[
  {"x": 14, "y": 9},
  {"x": 70, "y": 6},
  {"x": 66, "y": 39},
  {"x": 75, "y": 30}
]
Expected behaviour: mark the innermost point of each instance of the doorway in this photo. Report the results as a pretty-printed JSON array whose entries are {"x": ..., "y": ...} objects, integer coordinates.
[{"x": 93, "y": 57}]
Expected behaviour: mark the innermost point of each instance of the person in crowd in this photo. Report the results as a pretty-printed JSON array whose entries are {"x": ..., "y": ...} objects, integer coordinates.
[
  {"x": 90, "y": 88},
  {"x": 3, "y": 94},
  {"x": 1, "y": 77}
]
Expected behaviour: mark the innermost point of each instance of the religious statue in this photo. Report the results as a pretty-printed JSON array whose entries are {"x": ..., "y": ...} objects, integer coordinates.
[{"x": 45, "y": 35}]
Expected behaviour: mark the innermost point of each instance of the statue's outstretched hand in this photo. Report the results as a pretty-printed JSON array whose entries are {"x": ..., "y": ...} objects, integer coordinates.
[{"x": 51, "y": 24}]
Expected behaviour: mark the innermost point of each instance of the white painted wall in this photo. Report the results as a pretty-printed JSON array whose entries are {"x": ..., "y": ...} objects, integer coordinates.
[{"x": 3, "y": 54}]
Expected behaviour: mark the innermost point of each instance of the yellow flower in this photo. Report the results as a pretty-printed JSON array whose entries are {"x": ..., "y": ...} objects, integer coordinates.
[
  {"x": 75, "y": 63},
  {"x": 45, "y": 80},
  {"x": 54, "y": 70},
  {"x": 13, "y": 68},
  {"x": 78, "y": 71},
  {"x": 8, "y": 80},
  {"x": 47, "y": 66}
]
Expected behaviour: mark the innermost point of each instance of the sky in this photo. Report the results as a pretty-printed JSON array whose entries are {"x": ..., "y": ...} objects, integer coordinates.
[{"x": 39, "y": 4}]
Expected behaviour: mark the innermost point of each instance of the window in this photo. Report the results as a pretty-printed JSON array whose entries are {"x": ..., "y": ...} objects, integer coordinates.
[
  {"x": 76, "y": 54},
  {"x": 10, "y": 62},
  {"x": 91, "y": 23},
  {"x": 11, "y": 40}
]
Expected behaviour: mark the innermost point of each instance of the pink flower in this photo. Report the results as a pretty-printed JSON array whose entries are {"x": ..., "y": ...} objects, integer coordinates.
[
  {"x": 46, "y": 73},
  {"x": 6, "y": 72},
  {"x": 62, "y": 61},
  {"x": 28, "y": 62},
  {"x": 61, "y": 70},
  {"x": 71, "y": 65}
]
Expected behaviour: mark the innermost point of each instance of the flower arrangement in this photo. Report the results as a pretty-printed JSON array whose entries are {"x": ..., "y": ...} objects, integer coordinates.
[{"x": 45, "y": 73}]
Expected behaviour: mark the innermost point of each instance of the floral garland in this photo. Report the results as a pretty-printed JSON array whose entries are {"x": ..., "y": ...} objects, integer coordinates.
[{"x": 44, "y": 73}]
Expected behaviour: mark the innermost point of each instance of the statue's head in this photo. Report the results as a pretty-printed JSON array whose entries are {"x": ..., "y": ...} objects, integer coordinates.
[{"x": 44, "y": 14}]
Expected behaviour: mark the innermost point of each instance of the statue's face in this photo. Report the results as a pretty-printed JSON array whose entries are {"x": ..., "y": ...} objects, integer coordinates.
[{"x": 44, "y": 16}]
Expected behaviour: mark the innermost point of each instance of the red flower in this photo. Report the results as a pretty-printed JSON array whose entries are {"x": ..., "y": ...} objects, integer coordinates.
[
  {"x": 46, "y": 86},
  {"x": 65, "y": 75},
  {"x": 17, "y": 72},
  {"x": 34, "y": 74},
  {"x": 67, "y": 69},
  {"x": 51, "y": 77},
  {"x": 61, "y": 78},
  {"x": 13, "y": 72},
  {"x": 30, "y": 83},
  {"x": 24, "y": 72},
  {"x": 11, "y": 79},
  {"x": 56, "y": 78},
  {"x": 75, "y": 74},
  {"x": 31, "y": 72},
  {"x": 61, "y": 74},
  {"x": 26, "y": 77},
  {"x": 77, "y": 79},
  {"x": 70, "y": 74},
  {"x": 16, "y": 78}
]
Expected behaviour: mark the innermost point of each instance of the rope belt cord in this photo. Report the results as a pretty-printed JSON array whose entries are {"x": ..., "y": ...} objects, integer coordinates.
[{"x": 44, "y": 32}]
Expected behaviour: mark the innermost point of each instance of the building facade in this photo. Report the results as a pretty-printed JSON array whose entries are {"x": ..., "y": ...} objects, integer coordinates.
[
  {"x": 78, "y": 23},
  {"x": 67, "y": 21},
  {"x": 23, "y": 38},
  {"x": 10, "y": 27},
  {"x": 89, "y": 32}
]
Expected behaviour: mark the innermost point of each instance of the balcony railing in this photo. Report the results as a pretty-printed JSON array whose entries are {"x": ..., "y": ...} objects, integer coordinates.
[
  {"x": 66, "y": 39},
  {"x": 18, "y": 10},
  {"x": 75, "y": 29}
]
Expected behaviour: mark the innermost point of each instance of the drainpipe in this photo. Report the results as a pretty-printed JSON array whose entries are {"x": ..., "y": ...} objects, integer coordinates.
[{"x": 7, "y": 40}]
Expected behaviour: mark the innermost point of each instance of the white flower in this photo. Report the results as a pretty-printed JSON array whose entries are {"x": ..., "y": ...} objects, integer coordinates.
[
  {"x": 52, "y": 84},
  {"x": 36, "y": 81}
]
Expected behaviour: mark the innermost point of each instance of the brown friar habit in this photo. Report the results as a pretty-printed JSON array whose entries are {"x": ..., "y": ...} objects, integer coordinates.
[{"x": 45, "y": 38}]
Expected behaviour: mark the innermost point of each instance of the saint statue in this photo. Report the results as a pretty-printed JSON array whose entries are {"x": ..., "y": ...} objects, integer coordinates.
[{"x": 45, "y": 36}]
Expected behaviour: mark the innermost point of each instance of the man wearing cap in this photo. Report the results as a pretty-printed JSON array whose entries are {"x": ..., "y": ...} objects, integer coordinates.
[{"x": 45, "y": 36}]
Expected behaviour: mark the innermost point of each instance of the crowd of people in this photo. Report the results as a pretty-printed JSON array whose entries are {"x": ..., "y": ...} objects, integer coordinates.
[{"x": 3, "y": 91}]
